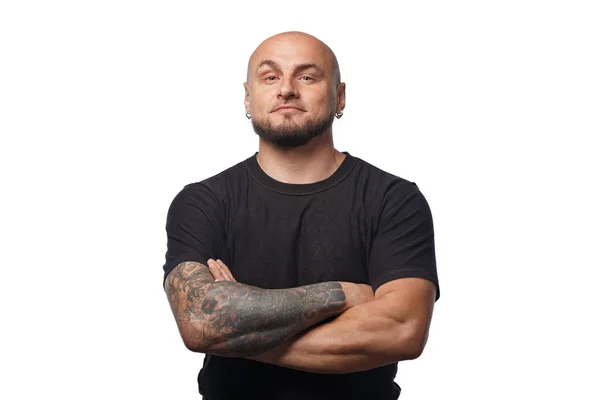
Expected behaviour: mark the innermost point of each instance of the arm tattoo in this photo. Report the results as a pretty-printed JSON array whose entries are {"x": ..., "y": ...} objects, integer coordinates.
[{"x": 237, "y": 320}]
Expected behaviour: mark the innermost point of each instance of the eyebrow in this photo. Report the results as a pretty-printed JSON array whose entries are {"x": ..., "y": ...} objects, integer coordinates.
[{"x": 300, "y": 67}]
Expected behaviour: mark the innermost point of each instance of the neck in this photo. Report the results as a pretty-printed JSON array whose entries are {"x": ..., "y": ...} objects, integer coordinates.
[{"x": 313, "y": 162}]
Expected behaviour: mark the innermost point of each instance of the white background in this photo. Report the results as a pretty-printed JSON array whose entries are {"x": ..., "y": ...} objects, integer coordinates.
[{"x": 107, "y": 109}]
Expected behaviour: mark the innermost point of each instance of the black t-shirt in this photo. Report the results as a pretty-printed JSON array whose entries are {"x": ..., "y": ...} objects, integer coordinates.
[{"x": 360, "y": 225}]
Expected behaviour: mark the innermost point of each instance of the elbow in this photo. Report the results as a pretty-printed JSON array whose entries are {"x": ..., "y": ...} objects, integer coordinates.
[
  {"x": 408, "y": 351},
  {"x": 417, "y": 342},
  {"x": 194, "y": 338},
  {"x": 412, "y": 345},
  {"x": 414, "y": 351},
  {"x": 194, "y": 345},
  {"x": 199, "y": 341}
]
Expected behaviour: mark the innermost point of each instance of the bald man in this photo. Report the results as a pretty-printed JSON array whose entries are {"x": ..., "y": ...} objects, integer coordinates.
[{"x": 302, "y": 272}]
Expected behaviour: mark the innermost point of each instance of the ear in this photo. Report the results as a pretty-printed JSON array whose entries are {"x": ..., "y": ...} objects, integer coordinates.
[
  {"x": 247, "y": 97},
  {"x": 341, "y": 97}
]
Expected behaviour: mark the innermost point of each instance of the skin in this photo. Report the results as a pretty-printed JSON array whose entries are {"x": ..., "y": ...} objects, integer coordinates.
[
  {"x": 231, "y": 319},
  {"x": 391, "y": 327}
]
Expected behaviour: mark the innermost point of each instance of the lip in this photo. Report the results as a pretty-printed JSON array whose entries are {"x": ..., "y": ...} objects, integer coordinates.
[{"x": 287, "y": 108}]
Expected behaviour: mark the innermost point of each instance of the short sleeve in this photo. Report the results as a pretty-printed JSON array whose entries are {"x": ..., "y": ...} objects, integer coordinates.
[
  {"x": 195, "y": 230},
  {"x": 403, "y": 245}
]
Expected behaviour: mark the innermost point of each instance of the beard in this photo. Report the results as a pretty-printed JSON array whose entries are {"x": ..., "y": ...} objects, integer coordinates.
[{"x": 290, "y": 134}]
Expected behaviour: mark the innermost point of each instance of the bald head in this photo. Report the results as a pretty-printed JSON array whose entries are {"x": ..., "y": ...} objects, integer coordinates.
[{"x": 296, "y": 43}]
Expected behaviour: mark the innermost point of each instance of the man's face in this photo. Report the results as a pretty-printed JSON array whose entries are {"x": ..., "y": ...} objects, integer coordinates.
[{"x": 290, "y": 90}]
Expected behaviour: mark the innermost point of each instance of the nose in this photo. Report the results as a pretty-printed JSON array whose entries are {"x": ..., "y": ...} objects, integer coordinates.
[{"x": 287, "y": 89}]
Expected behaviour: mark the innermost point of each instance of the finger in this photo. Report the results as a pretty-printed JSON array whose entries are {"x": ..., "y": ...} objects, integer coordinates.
[
  {"x": 222, "y": 271},
  {"x": 226, "y": 270},
  {"x": 214, "y": 269}
]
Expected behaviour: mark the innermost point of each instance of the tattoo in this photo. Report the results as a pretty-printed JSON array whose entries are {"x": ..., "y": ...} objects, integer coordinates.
[{"x": 237, "y": 320}]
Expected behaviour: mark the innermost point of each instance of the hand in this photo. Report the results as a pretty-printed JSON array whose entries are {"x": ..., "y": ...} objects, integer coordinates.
[
  {"x": 357, "y": 293},
  {"x": 219, "y": 271}
]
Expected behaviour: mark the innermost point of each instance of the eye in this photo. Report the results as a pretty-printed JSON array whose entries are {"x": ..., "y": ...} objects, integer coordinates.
[
  {"x": 271, "y": 78},
  {"x": 306, "y": 78}
]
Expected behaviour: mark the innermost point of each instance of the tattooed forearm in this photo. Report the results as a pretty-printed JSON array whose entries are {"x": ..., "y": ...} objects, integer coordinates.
[{"x": 237, "y": 320}]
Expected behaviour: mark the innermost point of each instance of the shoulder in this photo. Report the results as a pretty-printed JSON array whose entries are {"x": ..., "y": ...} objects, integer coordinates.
[
  {"x": 381, "y": 183},
  {"x": 214, "y": 189},
  {"x": 221, "y": 182}
]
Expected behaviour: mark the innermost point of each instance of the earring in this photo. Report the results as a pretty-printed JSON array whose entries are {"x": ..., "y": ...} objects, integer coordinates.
[
  {"x": 339, "y": 114},
  {"x": 248, "y": 115}
]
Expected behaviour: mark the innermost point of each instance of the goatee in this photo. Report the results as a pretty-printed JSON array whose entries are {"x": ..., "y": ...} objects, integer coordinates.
[{"x": 291, "y": 134}]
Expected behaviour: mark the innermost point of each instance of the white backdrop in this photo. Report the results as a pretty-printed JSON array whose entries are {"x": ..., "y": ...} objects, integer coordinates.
[{"x": 107, "y": 109}]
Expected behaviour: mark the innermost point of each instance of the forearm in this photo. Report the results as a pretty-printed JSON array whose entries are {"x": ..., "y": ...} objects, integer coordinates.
[
  {"x": 249, "y": 320},
  {"x": 236, "y": 320},
  {"x": 357, "y": 340}
]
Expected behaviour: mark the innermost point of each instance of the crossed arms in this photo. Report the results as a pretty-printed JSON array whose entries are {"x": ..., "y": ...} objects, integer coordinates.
[{"x": 231, "y": 319}]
